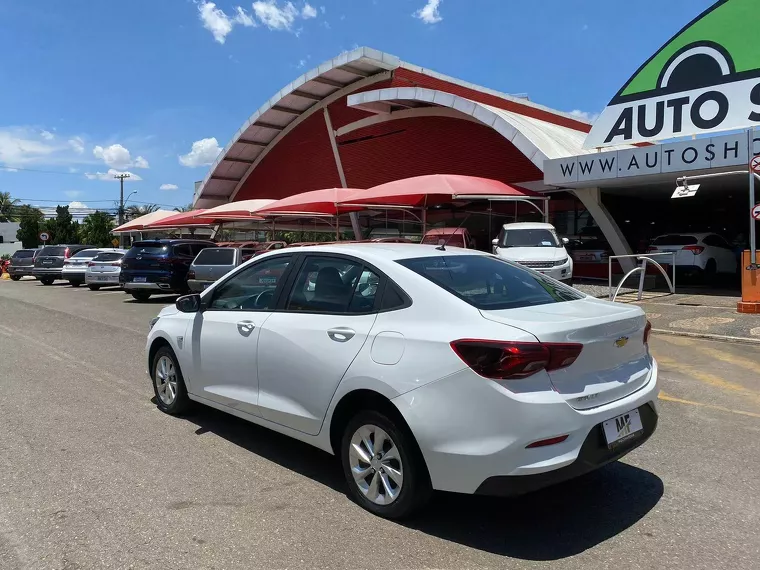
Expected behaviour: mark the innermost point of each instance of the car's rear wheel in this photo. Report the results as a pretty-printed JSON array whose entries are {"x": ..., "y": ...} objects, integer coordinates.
[
  {"x": 15, "y": 277},
  {"x": 383, "y": 467},
  {"x": 75, "y": 283},
  {"x": 711, "y": 271},
  {"x": 168, "y": 383},
  {"x": 94, "y": 287},
  {"x": 140, "y": 295},
  {"x": 46, "y": 281}
]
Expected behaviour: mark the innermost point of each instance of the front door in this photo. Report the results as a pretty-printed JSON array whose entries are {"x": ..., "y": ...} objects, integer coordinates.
[
  {"x": 306, "y": 346},
  {"x": 225, "y": 335}
]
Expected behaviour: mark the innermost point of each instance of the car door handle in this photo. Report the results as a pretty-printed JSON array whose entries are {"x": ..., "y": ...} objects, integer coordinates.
[
  {"x": 341, "y": 334},
  {"x": 245, "y": 327}
]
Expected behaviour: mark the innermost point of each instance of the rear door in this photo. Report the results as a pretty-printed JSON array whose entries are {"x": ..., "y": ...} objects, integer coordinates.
[
  {"x": 320, "y": 325},
  {"x": 51, "y": 257},
  {"x": 721, "y": 252}
]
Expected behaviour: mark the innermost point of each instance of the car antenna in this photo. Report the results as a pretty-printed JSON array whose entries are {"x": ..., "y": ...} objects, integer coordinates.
[{"x": 442, "y": 247}]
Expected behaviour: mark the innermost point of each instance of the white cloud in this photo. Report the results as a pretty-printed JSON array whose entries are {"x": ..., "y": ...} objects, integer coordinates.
[
  {"x": 168, "y": 187},
  {"x": 10, "y": 169},
  {"x": 76, "y": 204},
  {"x": 429, "y": 12},
  {"x": 308, "y": 11},
  {"x": 301, "y": 63},
  {"x": 323, "y": 9},
  {"x": 47, "y": 135},
  {"x": 73, "y": 193},
  {"x": 73, "y": 170},
  {"x": 274, "y": 17},
  {"x": 119, "y": 157},
  {"x": 244, "y": 18},
  {"x": 109, "y": 176},
  {"x": 216, "y": 21},
  {"x": 203, "y": 153},
  {"x": 585, "y": 115},
  {"x": 77, "y": 144}
]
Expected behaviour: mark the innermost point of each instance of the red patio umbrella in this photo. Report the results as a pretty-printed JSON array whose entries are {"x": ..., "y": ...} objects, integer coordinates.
[
  {"x": 182, "y": 220},
  {"x": 314, "y": 203},
  {"x": 422, "y": 191}
]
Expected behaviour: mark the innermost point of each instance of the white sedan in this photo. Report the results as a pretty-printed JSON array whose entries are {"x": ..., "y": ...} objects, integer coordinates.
[{"x": 421, "y": 368}]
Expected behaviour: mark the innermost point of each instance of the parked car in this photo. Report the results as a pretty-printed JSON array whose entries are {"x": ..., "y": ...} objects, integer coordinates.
[
  {"x": 215, "y": 262},
  {"x": 104, "y": 269},
  {"x": 269, "y": 246},
  {"x": 535, "y": 245},
  {"x": 159, "y": 266},
  {"x": 704, "y": 254},
  {"x": 75, "y": 267},
  {"x": 48, "y": 265},
  {"x": 22, "y": 263},
  {"x": 377, "y": 364},
  {"x": 453, "y": 237},
  {"x": 593, "y": 251}
]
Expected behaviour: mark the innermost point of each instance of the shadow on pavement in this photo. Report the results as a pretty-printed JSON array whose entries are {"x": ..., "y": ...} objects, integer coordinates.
[
  {"x": 152, "y": 300},
  {"x": 551, "y": 524}
]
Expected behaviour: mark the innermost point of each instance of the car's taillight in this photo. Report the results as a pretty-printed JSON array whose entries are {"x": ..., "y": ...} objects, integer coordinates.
[
  {"x": 647, "y": 331},
  {"x": 500, "y": 360},
  {"x": 66, "y": 253},
  {"x": 191, "y": 274},
  {"x": 695, "y": 249},
  {"x": 91, "y": 264}
]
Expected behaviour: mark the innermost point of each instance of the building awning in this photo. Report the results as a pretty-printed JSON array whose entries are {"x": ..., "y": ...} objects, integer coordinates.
[
  {"x": 139, "y": 223},
  {"x": 242, "y": 209},
  {"x": 182, "y": 220}
]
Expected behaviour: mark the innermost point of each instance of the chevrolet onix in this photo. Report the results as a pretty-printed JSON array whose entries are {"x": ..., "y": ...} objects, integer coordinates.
[{"x": 420, "y": 367}]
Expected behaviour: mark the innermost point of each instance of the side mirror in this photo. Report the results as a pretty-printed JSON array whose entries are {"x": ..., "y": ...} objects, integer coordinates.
[
  {"x": 495, "y": 241},
  {"x": 565, "y": 241},
  {"x": 189, "y": 303}
]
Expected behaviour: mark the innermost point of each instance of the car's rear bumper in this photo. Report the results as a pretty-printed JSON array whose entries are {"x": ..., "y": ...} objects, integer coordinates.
[
  {"x": 20, "y": 271},
  {"x": 198, "y": 285},
  {"x": 73, "y": 275},
  {"x": 53, "y": 273},
  {"x": 129, "y": 286},
  {"x": 594, "y": 454},
  {"x": 101, "y": 278},
  {"x": 474, "y": 433}
]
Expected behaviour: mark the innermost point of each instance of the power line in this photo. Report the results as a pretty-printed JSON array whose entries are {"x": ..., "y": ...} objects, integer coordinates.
[{"x": 13, "y": 168}]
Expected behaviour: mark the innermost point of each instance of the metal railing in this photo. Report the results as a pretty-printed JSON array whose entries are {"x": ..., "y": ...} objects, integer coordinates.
[{"x": 644, "y": 258}]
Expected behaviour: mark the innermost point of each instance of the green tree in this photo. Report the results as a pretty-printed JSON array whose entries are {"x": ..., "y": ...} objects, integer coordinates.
[
  {"x": 31, "y": 223},
  {"x": 96, "y": 229},
  {"x": 63, "y": 228},
  {"x": 133, "y": 212},
  {"x": 8, "y": 208},
  {"x": 187, "y": 208}
]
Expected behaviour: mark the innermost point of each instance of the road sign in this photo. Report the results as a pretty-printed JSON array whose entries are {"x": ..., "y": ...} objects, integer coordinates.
[
  {"x": 115, "y": 242},
  {"x": 686, "y": 191},
  {"x": 44, "y": 236},
  {"x": 756, "y": 212},
  {"x": 754, "y": 165}
]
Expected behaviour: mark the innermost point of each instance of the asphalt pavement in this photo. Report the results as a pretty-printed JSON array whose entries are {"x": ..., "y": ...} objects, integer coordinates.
[{"x": 92, "y": 475}]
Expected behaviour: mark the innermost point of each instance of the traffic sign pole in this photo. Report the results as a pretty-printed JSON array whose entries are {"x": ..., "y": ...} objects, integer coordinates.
[{"x": 753, "y": 168}]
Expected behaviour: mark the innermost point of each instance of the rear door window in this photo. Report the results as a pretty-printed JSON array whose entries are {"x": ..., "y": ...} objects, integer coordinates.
[
  {"x": 489, "y": 283},
  {"x": 23, "y": 254},
  {"x": 215, "y": 256},
  {"x": 109, "y": 256},
  {"x": 147, "y": 250},
  {"x": 183, "y": 250}
]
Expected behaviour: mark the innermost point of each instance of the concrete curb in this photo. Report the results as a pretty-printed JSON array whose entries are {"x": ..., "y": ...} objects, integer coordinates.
[{"x": 708, "y": 336}]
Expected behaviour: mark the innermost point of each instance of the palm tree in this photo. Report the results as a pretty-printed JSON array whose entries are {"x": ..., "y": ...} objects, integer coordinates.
[
  {"x": 133, "y": 212},
  {"x": 7, "y": 207},
  {"x": 187, "y": 208}
]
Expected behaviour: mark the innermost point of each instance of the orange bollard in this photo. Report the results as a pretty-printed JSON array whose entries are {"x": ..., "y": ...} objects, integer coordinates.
[{"x": 750, "y": 302}]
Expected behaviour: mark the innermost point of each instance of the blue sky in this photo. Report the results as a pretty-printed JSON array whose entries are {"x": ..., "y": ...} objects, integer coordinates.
[{"x": 90, "y": 88}]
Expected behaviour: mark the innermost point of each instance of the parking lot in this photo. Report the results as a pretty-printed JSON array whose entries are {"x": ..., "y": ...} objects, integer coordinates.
[{"x": 92, "y": 475}]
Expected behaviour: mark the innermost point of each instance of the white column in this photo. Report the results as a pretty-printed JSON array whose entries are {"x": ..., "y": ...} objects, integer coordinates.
[{"x": 592, "y": 201}]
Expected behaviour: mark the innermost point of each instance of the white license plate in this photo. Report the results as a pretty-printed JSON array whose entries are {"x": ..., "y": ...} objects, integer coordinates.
[
  {"x": 622, "y": 428},
  {"x": 140, "y": 279},
  {"x": 206, "y": 285},
  {"x": 586, "y": 258},
  {"x": 102, "y": 278}
]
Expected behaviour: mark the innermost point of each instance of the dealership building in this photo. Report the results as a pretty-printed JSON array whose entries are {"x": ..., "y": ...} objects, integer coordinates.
[{"x": 366, "y": 117}]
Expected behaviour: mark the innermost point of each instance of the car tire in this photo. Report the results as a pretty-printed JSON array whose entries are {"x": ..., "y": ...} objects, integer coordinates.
[
  {"x": 94, "y": 287},
  {"x": 140, "y": 296},
  {"x": 711, "y": 271},
  {"x": 15, "y": 277},
  {"x": 407, "y": 463},
  {"x": 47, "y": 281},
  {"x": 168, "y": 383},
  {"x": 75, "y": 283}
]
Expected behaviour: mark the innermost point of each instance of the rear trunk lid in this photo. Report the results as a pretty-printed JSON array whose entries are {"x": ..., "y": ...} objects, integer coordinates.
[
  {"x": 614, "y": 361},
  {"x": 51, "y": 257},
  {"x": 24, "y": 260},
  {"x": 148, "y": 257}
]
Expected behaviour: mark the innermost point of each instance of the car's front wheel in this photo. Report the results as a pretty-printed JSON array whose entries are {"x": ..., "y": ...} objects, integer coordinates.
[
  {"x": 168, "y": 383},
  {"x": 94, "y": 287},
  {"x": 383, "y": 466},
  {"x": 46, "y": 281},
  {"x": 15, "y": 277},
  {"x": 75, "y": 283}
]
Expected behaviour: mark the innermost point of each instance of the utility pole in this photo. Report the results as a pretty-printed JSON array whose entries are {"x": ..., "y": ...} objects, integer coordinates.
[{"x": 121, "y": 178}]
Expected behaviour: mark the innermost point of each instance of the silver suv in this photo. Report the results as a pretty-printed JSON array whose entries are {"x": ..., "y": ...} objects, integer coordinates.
[{"x": 215, "y": 262}]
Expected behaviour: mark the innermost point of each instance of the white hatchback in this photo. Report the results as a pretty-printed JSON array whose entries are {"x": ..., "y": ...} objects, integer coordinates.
[
  {"x": 104, "y": 269},
  {"x": 537, "y": 246},
  {"x": 420, "y": 367}
]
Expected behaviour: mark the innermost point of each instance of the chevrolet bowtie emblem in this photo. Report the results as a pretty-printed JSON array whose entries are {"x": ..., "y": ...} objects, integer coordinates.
[{"x": 621, "y": 342}]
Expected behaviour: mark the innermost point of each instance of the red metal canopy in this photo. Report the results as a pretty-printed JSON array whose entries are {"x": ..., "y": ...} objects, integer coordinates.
[
  {"x": 183, "y": 220},
  {"x": 315, "y": 203},
  {"x": 422, "y": 191}
]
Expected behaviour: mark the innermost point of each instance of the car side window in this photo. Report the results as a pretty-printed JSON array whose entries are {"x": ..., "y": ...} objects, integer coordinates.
[
  {"x": 196, "y": 248},
  {"x": 253, "y": 288},
  {"x": 333, "y": 285},
  {"x": 183, "y": 250}
]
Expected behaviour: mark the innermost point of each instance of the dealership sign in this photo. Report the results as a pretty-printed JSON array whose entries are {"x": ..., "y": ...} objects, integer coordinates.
[{"x": 705, "y": 79}]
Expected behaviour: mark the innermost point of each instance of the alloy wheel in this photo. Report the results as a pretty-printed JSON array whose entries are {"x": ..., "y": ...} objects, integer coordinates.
[
  {"x": 376, "y": 465},
  {"x": 166, "y": 380}
]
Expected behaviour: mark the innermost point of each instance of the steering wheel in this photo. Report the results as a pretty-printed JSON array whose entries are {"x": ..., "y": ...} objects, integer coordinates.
[{"x": 263, "y": 299}]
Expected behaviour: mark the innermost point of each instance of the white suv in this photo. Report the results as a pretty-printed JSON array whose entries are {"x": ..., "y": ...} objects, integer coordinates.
[
  {"x": 535, "y": 245},
  {"x": 697, "y": 253}
]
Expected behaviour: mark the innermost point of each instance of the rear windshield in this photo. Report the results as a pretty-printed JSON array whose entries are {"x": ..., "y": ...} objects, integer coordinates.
[
  {"x": 54, "y": 250},
  {"x": 454, "y": 240},
  {"x": 529, "y": 238},
  {"x": 675, "y": 239},
  {"x": 87, "y": 253},
  {"x": 23, "y": 254},
  {"x": 110, "y": 256},
  {"x": 147, "y": 249},
  {"x": 489, "y": 283},
  {"x": 215, "y": 256}
]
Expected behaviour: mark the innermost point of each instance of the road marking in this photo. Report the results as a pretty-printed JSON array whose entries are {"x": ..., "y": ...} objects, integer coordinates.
[
  {"x": 667, "y": 398},
  {"x": 751, "y": 365}
]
